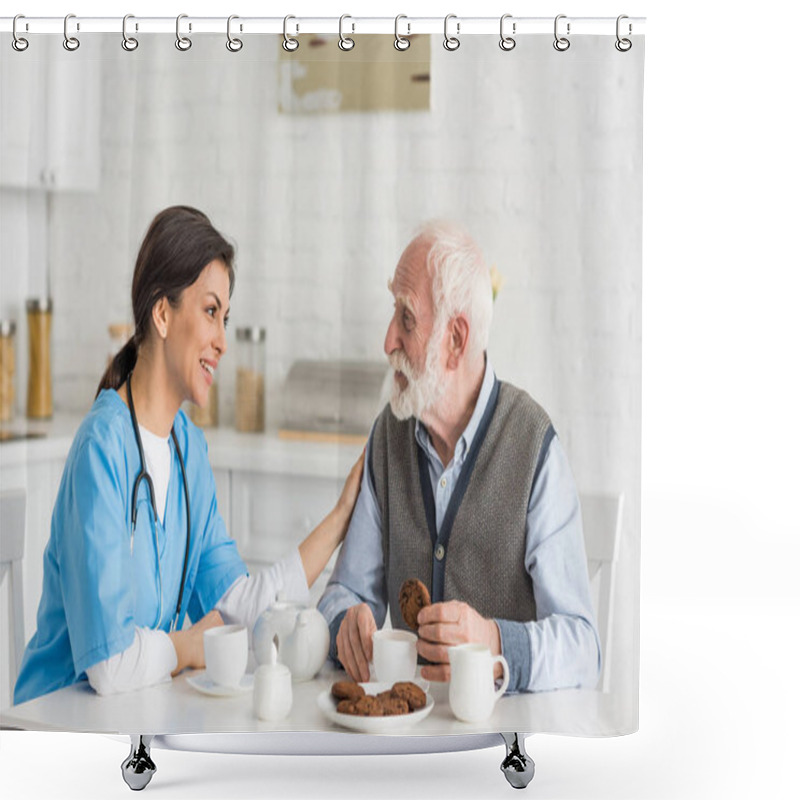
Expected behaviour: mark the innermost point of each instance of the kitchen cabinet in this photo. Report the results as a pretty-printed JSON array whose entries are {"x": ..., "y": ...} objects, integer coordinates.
[
  {"x": 39, "y": 476},
  {"x": 273, "y": 512},
  {"x": 271, "y": 493},
  {"x": 49, "y": 121}
]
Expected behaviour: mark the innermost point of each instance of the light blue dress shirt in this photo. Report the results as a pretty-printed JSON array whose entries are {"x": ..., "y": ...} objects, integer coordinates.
[{"x": 559, "y": 649}]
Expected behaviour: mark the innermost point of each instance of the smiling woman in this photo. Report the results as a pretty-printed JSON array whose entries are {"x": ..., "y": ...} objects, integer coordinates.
[
  {"x": 184, "y": 271},
  {"x": 112, "y": 608},
  {"x": 189, "y": 337}
]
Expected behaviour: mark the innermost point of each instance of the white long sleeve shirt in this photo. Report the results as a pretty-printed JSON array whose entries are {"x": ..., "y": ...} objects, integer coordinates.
[{"x": 152, "y": 658}]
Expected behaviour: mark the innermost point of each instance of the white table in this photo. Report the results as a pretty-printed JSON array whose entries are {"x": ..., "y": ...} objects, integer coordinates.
[{"x": 163, "y": 715}]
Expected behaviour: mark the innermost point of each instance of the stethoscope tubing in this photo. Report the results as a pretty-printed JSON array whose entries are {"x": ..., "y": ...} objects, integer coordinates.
[{"x": 145, "y": 476}]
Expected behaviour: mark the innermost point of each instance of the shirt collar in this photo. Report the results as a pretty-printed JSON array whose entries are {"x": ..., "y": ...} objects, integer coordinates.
[{"x": 465, "y": 440}]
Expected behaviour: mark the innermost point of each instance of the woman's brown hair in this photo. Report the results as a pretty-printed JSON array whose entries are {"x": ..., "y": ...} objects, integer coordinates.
[{"x": 180, "y": 243}]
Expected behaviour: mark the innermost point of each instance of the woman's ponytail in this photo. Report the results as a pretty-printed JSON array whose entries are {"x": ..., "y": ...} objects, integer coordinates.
[{"x": 120, "y": 367}]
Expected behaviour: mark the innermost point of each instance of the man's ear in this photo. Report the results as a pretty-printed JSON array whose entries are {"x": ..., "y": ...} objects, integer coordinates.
[
  {"x": 161, "y": 316},
  {"x": 458, "y": 340}
]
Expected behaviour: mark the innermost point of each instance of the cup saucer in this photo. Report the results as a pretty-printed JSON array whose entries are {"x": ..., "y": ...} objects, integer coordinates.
[{"x": 203, "y": 684}]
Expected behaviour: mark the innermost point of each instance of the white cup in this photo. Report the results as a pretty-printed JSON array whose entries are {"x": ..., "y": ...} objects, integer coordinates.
[
  {"x": 394, "y": 655},
  {"x": 472, "y": 692},
  {"x": 226, "y": 652},
  {"x": 272, "y": 692}
]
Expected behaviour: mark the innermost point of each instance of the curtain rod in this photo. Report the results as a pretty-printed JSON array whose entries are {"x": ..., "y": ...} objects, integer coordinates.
[{"x": 456, "y": 26}]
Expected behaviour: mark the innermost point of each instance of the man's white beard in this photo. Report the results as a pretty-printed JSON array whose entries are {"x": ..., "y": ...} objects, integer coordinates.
[{"x": 422, "y": 392}]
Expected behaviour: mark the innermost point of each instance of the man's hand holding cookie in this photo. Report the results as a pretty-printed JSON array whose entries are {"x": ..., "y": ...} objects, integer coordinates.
[
  {"x": 443, "y": 625},
  {"x": 354, "y": 641}
]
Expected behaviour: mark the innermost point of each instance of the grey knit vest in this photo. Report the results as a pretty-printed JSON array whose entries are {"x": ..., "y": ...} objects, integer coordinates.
[{"x": 478, "y": 555}]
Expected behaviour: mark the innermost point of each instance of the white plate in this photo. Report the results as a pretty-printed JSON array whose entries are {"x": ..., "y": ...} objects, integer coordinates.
[
  {"x": 327, "y": 704},
  {"x": 205, "y": 685}
]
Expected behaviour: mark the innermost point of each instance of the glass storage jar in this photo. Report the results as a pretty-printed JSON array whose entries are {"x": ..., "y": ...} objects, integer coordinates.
[
  {"x": 251, "y": 363},
  {"x": 207, "y": 417},
  {"x": 8, "y": 329},
  {"x": 40, "y": 385},
  {"x": 118, "y": 335}
]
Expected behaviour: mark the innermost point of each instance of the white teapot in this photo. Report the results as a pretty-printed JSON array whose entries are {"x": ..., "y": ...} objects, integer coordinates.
[{"x": 300, "y": 635}]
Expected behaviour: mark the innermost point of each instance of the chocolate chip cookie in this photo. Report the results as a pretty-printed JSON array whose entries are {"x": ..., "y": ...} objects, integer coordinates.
[
  {"x": 346, "y": 707},
  {"x": 347, "y": 690},
  {"x": 369, "y": 706},
  {"x": 411, "y": 693},
  {"x": 414, "y": 596},
  {"x": 393, "y": 706}
]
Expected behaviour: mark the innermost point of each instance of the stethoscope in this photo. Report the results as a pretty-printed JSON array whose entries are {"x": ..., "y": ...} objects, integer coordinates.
[{"x": 145, "y": 476}]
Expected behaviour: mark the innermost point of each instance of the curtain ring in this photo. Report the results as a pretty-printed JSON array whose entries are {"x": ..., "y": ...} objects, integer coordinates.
[
  {"x": 561, "y": 43},
  {"x": 451, "y": 43},
  {"x": 18, "y": 42},
  {"x": 401, "y": 42},
  {"x": 623, "y": 45},
  {"x": 507, "y": 42},
  {"x": 345, "y": 43},
  {"x": 129, "y": 43},
  {"x": 290, "y": 44},
  {"x": 70, "y": 42},
  {"x": 233, "y": 44},
  {"x": 183, "y": 43}
]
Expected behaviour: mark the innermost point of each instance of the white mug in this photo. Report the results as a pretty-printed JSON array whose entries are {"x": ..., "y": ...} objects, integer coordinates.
[
  {"x": 272, "y": 692},
  {"x": 472, "y": 692},
  {"x": 394, "y": 655},
  {"x": 226, "y": 652}
]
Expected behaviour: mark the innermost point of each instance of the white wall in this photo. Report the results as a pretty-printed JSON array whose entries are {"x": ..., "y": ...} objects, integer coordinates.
[{"x": 320, "y": 206}]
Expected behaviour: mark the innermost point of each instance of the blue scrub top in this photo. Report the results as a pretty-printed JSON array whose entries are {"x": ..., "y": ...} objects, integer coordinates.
[{"x": 99, "y": 583}]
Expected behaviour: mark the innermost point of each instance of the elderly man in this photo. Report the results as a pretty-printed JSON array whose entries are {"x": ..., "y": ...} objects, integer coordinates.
[{"x": 468, "y": 489}]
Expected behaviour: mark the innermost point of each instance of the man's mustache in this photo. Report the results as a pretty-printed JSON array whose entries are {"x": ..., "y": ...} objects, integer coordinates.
[{"x": 400, "y": 363}]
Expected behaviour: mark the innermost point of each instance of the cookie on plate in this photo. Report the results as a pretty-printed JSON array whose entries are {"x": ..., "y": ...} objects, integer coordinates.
[
  {"x": 394, "y": 706},
  {"x": 368, "y": 706},
  {"x": 411, "y": 693},
  {"x": 346, "y": 707},
  {"x": 414, "y": 597},
  {"x": 347, "y": 690}
]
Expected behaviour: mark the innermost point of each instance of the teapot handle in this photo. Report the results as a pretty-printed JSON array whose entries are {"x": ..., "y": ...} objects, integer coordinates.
[
  {"x": 272, "y": 658},
  {"x": 269, "y": 638}
]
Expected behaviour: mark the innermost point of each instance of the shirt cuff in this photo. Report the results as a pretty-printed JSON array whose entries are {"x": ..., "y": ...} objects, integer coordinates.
[
  {"x": 333, "y": 653},
  {"x": 250, "y": 595},
  {"x": 515, "y": 645},
  {"x": 149, "y": 660}
]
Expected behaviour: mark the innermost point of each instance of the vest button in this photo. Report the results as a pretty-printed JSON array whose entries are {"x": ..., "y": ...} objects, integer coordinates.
[{"x": 439, "y": 552}]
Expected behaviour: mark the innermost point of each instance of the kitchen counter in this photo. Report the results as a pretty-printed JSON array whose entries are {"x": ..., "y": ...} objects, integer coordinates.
[
  {"x": 48, "y": 440},
  {"x": 227, "y": 449}
]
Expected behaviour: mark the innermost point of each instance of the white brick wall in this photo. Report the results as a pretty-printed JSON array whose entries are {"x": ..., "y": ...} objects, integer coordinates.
[{"x": 538, "y": 153}]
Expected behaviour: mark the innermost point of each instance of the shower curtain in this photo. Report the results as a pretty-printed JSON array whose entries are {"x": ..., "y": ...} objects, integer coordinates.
[{"x": 320, "y": 164}]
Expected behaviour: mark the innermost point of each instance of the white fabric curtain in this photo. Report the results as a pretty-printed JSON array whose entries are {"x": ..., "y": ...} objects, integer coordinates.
[{"x": 320, "y": 169}]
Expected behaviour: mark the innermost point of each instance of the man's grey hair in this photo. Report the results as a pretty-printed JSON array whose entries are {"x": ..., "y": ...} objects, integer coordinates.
[{"x": 461, "y": 281}]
